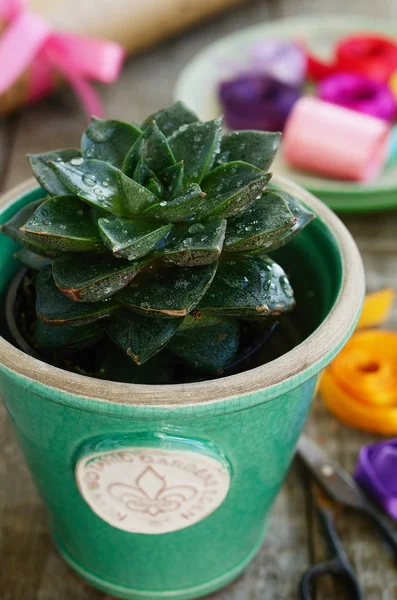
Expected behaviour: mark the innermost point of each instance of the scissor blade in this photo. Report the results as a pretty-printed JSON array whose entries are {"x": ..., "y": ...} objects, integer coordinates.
[{"x": 337, "y": 482}]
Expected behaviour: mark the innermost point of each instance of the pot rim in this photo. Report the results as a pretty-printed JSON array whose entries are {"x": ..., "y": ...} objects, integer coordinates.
[{"x": 282, "y": 374}]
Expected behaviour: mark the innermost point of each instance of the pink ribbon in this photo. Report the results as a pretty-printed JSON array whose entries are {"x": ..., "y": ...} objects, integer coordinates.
[{"x": 29, "y": 43}]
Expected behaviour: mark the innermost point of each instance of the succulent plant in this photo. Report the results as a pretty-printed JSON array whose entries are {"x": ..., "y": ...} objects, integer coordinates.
[{"x": 155, "y": 236}]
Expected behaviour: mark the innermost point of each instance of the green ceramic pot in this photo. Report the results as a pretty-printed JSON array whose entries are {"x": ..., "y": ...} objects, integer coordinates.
[{"x": 165, "y": 491}]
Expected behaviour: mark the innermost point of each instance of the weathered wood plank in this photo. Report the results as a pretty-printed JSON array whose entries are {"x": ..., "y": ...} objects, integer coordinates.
[
  {"x": 54, "y": 123},
  {"x": 371, "y": 559},
  {"x": 31, "y": 568},
  {"x": 377, "y": 241},
  {"x": 8, "y": 128}
]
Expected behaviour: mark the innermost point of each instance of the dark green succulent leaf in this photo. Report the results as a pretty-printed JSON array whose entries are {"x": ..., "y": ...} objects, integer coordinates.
[
  {"x": 94, "y": 278},
  {"x": 94, "y": 181},
  {"x": 255, "y": 334},
  {"x": 142, "y": 173},
  {"x": 98, "y": 213},
  {"x": 172, "y": 180},
  {"x": 146, "y": 177},
  {"x": 247, "y": 286},
  {"x": 141, "y": 337},
  {"x": 131, "y": 239},
  {"x": 231, "y": 188},
  {"x": 197, "y": 145},
  {"x": 67, "y": 336},
  {"x": 53, "y": 307},
  {"x": 12, "y": 229},
  {"x": 257, "y": 148},
  {"x": 182, "y": 208},
  {"x": 170, "y": 291},
  {"x": 46, "y": 177},
  {"x": 170, "y": 119},
  {"x": 208, "y": 343},
  {"x": 261, "y": 226},
  {"x": 154, "y": 186},
  {"x": 193, "y": 244},
  {"x": 116, "y": 365},
  {"x": 152, "y": 146},
  {"x": 63, "y": 223},
  {"x": 109, "y": 140},
  {"x": 32, "y": 259},
  {"x": 135, "y": 197},
  {"x": 302, "y": 215}
]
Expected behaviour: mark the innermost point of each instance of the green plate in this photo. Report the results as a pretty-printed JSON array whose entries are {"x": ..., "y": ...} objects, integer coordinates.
[{"x": 198, "y": 84}]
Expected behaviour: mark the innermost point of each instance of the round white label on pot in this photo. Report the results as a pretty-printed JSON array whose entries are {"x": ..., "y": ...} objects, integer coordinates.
[{"x": 147, "y": 490}]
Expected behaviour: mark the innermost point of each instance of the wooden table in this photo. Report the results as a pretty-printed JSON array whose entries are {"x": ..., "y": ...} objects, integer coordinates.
[{"x": 30, "y": 568}]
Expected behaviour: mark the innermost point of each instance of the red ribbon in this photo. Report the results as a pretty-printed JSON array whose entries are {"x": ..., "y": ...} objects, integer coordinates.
[{"x": 372, "y": 55}]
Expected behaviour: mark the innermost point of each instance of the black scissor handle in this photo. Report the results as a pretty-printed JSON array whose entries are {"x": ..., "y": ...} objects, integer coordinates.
[
  {"x": 339, "y": 566},
  {"x": 334, "y": 568}
]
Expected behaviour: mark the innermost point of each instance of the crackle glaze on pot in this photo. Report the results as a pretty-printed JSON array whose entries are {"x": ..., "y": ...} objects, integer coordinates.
[{"x": 165, "y": 491}]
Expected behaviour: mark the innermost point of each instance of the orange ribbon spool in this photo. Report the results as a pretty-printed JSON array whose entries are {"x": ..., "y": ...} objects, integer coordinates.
[{"x": 360, "y": 386}]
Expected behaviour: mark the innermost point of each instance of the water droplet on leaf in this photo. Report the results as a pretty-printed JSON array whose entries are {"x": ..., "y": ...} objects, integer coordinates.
[
  {"x": 196, "y": 227},
  {"x": 286, "y": 286},
  {"x": 101, "y": 134},
  {"x": 89, "y": 179}
]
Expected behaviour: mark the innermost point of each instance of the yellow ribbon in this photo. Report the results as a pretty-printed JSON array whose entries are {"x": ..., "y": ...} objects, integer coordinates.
[{"x": 360, "y": 385}]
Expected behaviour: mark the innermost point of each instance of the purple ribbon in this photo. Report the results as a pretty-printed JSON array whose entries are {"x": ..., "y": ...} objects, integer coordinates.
[
  {"x": 376, "y": 473},
  {"x": 253, "y": 101},
  {"x": 359, "y": 93},
  {"x": 280, "y": 59},
  {"x": 262, "y": 94}
]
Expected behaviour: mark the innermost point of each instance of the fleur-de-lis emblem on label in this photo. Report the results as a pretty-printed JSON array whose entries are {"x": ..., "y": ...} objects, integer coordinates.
[{"x": 150, "y": 493}]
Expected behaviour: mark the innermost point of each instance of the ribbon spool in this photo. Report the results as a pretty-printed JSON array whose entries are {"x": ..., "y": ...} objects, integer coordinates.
[
  {"x": 31, "y": 54},
  {"x": 376, "y": 473},
  {"x": 334, "y": 141},
  {"x": 360, "y": 385},
  {"x": 359, "y": 93},
  {"x": 280, "y": 59},
  {"x": 372, "y": 55},
  {"x": 252, "y": 101},
  {"x": 377, "y": 308}
]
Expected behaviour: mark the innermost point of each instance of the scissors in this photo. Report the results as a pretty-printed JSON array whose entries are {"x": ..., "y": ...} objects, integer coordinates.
[{"x": 333, "y": 487}]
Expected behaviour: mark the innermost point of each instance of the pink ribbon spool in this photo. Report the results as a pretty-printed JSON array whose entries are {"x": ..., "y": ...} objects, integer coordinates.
[
  {"x": 28, "y": 43},
  {"x": 335, "y": 141}
]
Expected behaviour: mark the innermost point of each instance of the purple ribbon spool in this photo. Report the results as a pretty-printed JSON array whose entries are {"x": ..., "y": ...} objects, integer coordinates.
[
  {"x": 254, "y": 101},
  {"x": 281, "y": 59},
  {"x": 359, "y": 93},
  {"x": 376, "y": 473}
]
